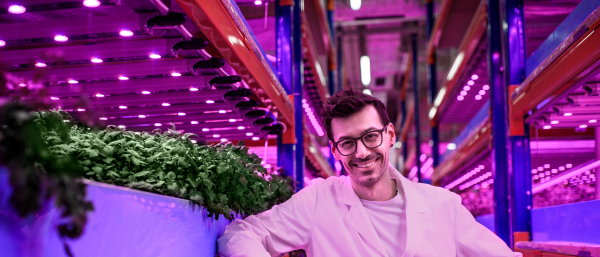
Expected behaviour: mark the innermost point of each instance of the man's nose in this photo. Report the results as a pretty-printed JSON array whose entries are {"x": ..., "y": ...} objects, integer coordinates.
[{"x": 361, "y": 150}]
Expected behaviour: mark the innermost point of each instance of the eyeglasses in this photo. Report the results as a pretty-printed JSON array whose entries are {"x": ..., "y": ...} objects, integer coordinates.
[{"x": 371, "y": 139}]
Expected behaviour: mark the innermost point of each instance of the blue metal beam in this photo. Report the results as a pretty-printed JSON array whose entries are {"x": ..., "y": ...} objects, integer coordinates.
[
  {"x": 514, "y": 66},
  {"x": 297, "y": 86},
  {"x": 435, "y": 135},
  {"x": 499, "y": 117},
  {"x": 416, "y": 102},
  {"x": 283, "y": 41}
]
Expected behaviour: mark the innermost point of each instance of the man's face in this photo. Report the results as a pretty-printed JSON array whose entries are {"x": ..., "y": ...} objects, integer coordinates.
[{"x": 366, "y": 166}]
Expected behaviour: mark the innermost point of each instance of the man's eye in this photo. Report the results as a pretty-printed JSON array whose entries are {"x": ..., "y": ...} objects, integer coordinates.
[{"x": 347, "y": 144}]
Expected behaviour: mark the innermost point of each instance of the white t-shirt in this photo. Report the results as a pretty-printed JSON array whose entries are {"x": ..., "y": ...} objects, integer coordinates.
[{"x": 389, "y": 220}]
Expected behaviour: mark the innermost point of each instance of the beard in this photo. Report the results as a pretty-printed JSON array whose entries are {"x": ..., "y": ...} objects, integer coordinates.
[{"x": 367, "y": 176}]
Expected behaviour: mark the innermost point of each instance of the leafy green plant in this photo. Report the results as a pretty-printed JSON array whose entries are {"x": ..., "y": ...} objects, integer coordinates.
[
  {"x": 36, "y": 174},
  {"x": 224, "y": 178}
]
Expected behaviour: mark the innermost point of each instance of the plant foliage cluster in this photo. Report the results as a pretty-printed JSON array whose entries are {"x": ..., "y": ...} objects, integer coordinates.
[{"x": 222, "y": 178}]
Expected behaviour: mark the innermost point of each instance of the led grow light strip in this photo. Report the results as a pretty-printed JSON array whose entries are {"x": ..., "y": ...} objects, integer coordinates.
[{"x": 575, "y": 171}]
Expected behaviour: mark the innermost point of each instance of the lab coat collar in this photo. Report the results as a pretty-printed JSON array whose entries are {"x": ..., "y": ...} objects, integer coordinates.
[{"x": 416, "y": 216}]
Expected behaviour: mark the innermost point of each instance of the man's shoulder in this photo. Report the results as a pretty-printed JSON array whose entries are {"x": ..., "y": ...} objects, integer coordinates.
[{"x": 434, "y": 194}]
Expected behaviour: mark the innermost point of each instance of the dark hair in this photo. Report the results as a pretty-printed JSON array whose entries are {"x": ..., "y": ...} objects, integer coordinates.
[{"x": 347, "y": 102}]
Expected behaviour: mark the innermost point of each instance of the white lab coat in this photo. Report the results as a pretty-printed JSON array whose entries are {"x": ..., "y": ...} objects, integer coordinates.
[{"x": 328, "y": 219}]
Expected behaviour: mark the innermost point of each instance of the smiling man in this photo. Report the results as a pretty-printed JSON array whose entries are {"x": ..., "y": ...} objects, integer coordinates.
[{"x": 374, "y": 211}]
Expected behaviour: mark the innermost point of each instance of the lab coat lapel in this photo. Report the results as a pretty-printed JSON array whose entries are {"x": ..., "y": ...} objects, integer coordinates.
[
  {"x": 357, "y": 217},
  {"x": 416, "y": 215}
]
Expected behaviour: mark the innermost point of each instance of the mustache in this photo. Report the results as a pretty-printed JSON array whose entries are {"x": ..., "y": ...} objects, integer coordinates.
[{"x": 366, "y": 159}]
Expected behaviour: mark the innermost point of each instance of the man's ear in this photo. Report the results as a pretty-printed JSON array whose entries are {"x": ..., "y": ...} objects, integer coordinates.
[
  {"x": 392, "y": 133},
  {"x": 334, "y": 151}
]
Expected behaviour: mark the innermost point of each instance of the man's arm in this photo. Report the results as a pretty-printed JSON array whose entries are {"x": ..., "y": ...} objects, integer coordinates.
[
  {"x": 284, "y": 228},
  {"x": 473, "y": 239}
]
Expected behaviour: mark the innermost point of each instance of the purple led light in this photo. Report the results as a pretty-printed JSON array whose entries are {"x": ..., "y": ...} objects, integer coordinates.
[
  {"x": 80, "y": 110},
  {"x": 478, "y": 97},
  {"x": 460, "y": 98},
  {"x": 193, "y": 141},
  {"x": 249, "y": 134},
  {"x": 255, "y": 138},
  {"x": 157, "y": 124},
  {"x": 176, "y": 74},
  {"x": 210, "y": 101},
  {"x": 40, "y": 65},
  {"x": 96, "y": 60},
  {"x": 474, "y": 77},
  {"x": 222, "y": 111},
  {"x": 2, "y": 43},
  {"x": 16, "y": 9},
  {"x": 258, "y": 2},
  {"x": 103, "y": 118},
  {"x": 305, "y": 105},
  {"x": 72, "y": 81},
  {"x": 568, "y": 114},
  {"x": 123, "y": 78},
  {"x": 166, "y": 104},
  {"x": 205, "y": 129},
  {"x": 145, "y": 92},
  {"x": 583, "y": 126},
  {"x": 193, "y": 89},
  {"x": 482, "y": 92},
  {"x": 194, "y": 122},
  {"x": 181, "y": 114},
  {"x": 547, "y": 127},
  {"x": 91, "y": 3},
  {"x": 122, "y": 126},
  {"x": 463, "y": 93},
  {"x": 303, "y": 101},
  {"x": 61, "y": 38},
  {"x": 154, "y": 56},
  {"x": 470, "y": 82},
  {"x": 123, "y": 107},
  {"x": 554, "y": 122},
  {"x": 241, "y": 127},
  {"x": 466, "y": 88},
  {"x": 223, "y": 139},
  {"x": 216, "y": 135},
  {"x": 54, "y": 98},
  {"x": 99, "y": 95},
  {"x": 22, "y": 84},
  {"x": 126, "y": 33},
  {"x": 592, "y": 121},
  {"x": 141, "y": 116},
  {"x": 486, "y": 87},
  {"x": 232, "y": 120}
]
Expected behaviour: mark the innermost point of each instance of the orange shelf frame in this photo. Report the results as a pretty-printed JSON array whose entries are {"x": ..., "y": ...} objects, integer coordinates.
[
  {"x": 313, "y": 154},
  {"x": 225, "y": 29},
  {"x": 310, "y": 52}
]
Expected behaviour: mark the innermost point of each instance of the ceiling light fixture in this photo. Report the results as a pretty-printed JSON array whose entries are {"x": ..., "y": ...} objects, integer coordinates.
[
  {"x": 181, "y": 114},
  {"x": 121, "y": 126},
  {"x": 466, "y": 88},
  {"x": 451, "y": 146},
  {"x": 593, "y": 121},
  {"x": 365, "y": 68},
  {"x": 216, "y": 135},
  {"x": 54, "y": 98},
  {"x": 222, "y": 111},
  {"x": 16, "y": 9},
  {"x": 223, "y": 139}
]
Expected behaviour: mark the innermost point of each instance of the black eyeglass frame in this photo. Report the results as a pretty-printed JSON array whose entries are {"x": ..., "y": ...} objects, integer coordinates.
[{"x": 335, "y": 144}]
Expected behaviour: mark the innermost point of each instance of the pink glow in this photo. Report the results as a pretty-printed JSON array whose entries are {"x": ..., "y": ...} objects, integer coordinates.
[
  {"x": 176, "y": 74},
  {"x": 146, "y": 92},
  {"x": 80, "y": 110},
  {"x": 223, "y": 139},
  {"x": 141, "y": 116},
  {"x": 2, "y": 43},
  {"x": 474, "y": 77},
  {"x": 205, "y": 130},
  {"x": 232, "y": 120},
  {"x": 583, "y": 126},
  {"x": 486, "y": 87},
  {"x": 166, "y": 104},
  {"x": 72, "y": 81},
  {"x": 54, "y": 98},
  {"x": 123, "y": 107},
  {"x": 96, "y": 60},
  {"x": 478, "y": 97},
  {"x": 568, "y": 114},
  {"x": 193, "y": 141},
  {"x": 255, "y": 138},
  {"x": 193, "y": 89},
  {"x": 423, "y": 157},
  {"x": 222, "y": 111},
  {"x": 22, "y": 84},
  {"x": 210, "y": 101},
  {"x": 258, "y": 2},
  {"x": 123, "y": 78},
  {"x": 18, "y": 9},
  {"x": 126, "y": 33},
  {"x": 249, "y": 134},
  {"x": 103, "y": 118},
  {"x": 466, "y": 88},
  {"x": 303, "y": 101},
  {"x": 482, "y": 92},
  {"x": 593, "y": 121},
  {"x": 157, "y": 124},
  {"x": 61, "y": 38},
  {"x": 154, "y": 56},
  {"x": 470, "y": 82},
  {"x": 554, "y": 122},
  {"x": 460, "y": 98},
  {"x": 241, "y": 127},
  {"x": 216, "y": 135},
  {"x": 181, "y": 114},
  {"x": 40, "y": 65},
  {"x": 122, "y": 126},
  {"x": 547, "y": 127},
  {"x": 99, "y": 95},
  {"x": 463, "y": 93},
  {"x": 194, "y": 122},
  {"x": 91, "y": 3}
]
